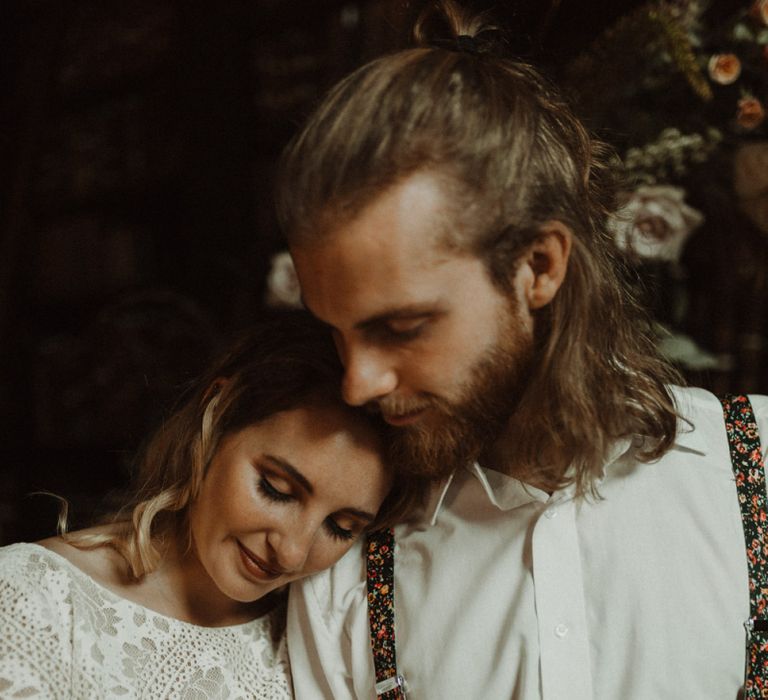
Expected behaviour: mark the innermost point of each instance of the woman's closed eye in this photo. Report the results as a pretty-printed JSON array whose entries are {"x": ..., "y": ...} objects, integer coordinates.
[
  {"x": 272, "y": 493},
  {"x": 276, "y": 491},
  {"x": 337, "y": 532}
]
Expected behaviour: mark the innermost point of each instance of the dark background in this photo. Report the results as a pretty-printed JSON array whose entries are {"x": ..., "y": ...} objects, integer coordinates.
[{"x": 138, "y": 146}]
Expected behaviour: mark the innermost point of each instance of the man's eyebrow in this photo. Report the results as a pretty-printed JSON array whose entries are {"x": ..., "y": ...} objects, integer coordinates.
[
  {"x": 395, "y": 313},
  {"x": 292, "y": 471}
]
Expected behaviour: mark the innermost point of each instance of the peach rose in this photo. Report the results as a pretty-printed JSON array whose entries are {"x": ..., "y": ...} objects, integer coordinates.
[
  {"x": 724, "y": 68},
  {"x": 751, "y": 113},
  {"x": 759, "y": 10}
]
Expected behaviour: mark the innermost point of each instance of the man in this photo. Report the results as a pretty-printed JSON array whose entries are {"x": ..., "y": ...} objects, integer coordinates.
[{"x": 447, "y": 216}]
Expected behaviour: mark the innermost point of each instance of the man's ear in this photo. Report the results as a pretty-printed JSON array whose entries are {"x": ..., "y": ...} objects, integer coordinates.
[{"x": 547, "y": 259}]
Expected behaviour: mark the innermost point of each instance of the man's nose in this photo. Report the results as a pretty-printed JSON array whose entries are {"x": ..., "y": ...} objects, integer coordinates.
[{"x": 368, "y": 375}]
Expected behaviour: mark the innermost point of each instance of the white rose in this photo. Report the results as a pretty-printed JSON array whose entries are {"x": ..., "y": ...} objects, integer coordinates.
[
  {"x": 282, "y": 284},
  {"x": 655, "y": 222}
]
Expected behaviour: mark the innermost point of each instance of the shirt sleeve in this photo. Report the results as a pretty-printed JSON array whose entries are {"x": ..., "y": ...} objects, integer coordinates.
[
  {"x": 32, "y": 663},
  {"x": 328, "y": 642}
]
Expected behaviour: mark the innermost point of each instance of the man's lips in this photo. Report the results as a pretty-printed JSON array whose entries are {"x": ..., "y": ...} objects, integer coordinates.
[
  {"x": 256, "y": 566},
  {"x": 406, "y": 418}
]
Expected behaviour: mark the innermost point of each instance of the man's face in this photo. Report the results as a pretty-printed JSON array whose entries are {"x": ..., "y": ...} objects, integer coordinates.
[{"x": 424, "y": 335}]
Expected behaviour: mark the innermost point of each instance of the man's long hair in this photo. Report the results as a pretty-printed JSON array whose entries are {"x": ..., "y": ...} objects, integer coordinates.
[{"x": 512, "y": 156}]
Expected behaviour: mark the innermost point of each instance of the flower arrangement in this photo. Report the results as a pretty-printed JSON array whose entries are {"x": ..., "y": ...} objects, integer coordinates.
[
  {"x": 680, "y": 89},
  {"x": 678, "y": 63},
  {"x": 674, "y": 86}
]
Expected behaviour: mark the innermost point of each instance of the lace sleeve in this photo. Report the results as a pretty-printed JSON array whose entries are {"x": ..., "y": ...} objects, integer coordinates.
[{"x": 33, "y": 660}]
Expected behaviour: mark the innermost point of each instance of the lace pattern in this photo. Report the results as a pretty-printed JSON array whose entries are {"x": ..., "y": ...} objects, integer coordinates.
[{"x": 65, "y": 636}]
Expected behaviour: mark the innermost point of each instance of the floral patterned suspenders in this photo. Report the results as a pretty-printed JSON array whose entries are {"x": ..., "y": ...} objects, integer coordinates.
[
  {"x": 380, "y": 568},
  {"x": 748, "y": 468}
]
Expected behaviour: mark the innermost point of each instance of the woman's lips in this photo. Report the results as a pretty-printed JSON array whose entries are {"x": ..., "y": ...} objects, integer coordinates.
[{"x": 256, "y": 566}]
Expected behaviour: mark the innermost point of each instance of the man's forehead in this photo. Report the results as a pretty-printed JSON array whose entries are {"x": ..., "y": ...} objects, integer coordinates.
[
  {"x": 423, "y": 197},
  {"x": 391, "y": 259}
]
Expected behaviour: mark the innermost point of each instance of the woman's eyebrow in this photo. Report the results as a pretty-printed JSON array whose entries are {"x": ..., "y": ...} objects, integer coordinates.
[
  {"x": 304, "y": 483},
  {"x": 362, "y": 514},
  {"x": 292, "y": 471}
]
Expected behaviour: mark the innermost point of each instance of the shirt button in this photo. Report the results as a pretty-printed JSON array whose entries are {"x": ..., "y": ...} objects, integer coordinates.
[
  {"x": 561, "y": 630},
  {"x": 550, "y": 513}
]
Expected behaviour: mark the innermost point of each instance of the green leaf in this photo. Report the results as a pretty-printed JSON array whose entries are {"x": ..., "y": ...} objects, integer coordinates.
[{"x": 741, "y": 32}]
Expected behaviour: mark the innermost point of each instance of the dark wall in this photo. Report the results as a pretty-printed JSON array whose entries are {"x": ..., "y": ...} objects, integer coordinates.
[{"x": 138, "y": 150}]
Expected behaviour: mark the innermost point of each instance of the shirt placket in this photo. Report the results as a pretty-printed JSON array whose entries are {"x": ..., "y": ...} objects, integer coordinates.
[{"x": 560, "y": 604}]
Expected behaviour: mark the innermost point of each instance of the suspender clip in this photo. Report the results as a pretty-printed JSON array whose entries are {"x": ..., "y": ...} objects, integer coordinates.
[
  {"x": 390, "y": 684},
  {"x": 755, "y": 624}
]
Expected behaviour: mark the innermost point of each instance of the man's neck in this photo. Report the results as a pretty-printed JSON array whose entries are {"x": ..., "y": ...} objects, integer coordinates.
[{"x": 503, "y": 457}]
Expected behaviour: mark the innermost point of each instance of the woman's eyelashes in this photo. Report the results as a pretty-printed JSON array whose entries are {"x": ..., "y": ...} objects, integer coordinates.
[
  {"x": 332, "y": 528},
  {"x": 337, "y": 532},
  {"x": 267, "y": 489}
]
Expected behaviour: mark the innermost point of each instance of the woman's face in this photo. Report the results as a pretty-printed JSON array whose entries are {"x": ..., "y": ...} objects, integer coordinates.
[{"x": 286, "y": 498}]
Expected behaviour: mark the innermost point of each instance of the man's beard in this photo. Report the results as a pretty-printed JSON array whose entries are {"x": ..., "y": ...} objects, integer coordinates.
[{"x": 465, "y": 428}]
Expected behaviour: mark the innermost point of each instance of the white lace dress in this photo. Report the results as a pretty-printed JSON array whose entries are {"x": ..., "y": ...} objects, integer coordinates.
[{"x": 62, "y": 635}]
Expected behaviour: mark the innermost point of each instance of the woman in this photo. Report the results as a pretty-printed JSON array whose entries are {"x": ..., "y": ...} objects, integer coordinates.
[{"x": 262, "y": 476}]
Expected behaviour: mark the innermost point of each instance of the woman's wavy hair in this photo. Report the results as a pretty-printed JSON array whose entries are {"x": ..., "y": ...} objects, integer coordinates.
[
  {"x": 284, "y": 361},
  {"x": 511, "y": 156}
]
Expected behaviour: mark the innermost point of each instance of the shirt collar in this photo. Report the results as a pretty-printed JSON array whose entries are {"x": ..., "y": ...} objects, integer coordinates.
[
  {"x": 506, "y": 492},
  {"x": 689, "y": 437},
  {"x": 616, "y": 452},
  {"x": 442, "y": 492}
]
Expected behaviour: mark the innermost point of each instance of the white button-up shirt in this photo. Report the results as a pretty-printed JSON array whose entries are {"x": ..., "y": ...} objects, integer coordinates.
[{"x": 505, "y": 592}]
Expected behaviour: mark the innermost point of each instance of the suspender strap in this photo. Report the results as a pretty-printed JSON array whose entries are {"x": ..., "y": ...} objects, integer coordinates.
[
  {"x": 748, "y": 468},
  {"x": 380, "y": 571}
]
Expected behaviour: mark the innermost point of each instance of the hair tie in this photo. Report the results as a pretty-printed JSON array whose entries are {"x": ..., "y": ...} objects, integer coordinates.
[
  {"x": 467, "y": 44},
  {"x": 464, "y": 43}
]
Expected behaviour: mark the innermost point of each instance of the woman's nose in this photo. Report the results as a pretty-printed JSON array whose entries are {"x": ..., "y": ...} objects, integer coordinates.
[{"x": 292, "y": 546}]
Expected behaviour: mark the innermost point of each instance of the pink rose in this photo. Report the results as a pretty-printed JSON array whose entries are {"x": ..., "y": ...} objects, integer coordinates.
[
  {"x": 724, "y": 68},
  {"x": 751, "y": 113},
  {"x": 655, "y": 222}
]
